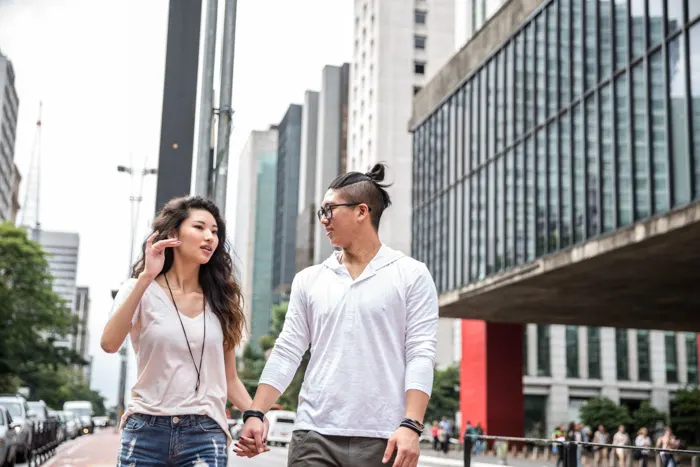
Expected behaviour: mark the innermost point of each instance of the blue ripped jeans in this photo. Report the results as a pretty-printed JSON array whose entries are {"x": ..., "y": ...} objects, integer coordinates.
[{"x": 150, "y": 441}]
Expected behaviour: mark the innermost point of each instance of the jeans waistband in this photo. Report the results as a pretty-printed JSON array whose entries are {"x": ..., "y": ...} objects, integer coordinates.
[{"x": 184, "y": 420}]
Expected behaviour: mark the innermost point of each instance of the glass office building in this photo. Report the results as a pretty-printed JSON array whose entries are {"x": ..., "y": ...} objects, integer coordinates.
[{"x": 586, "y": 120}]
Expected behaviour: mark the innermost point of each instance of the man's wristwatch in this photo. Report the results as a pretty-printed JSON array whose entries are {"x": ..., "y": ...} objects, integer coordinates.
[{"x": 253, "y": 413}]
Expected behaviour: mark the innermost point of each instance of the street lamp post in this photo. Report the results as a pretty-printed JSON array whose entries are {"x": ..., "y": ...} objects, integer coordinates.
[{"x": 135, "y": 200}]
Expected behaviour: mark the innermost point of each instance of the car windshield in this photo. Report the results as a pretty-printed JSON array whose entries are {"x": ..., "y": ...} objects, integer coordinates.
[
  {"x": 14, "y": 408},
  {"x": 81, "y": 412}
]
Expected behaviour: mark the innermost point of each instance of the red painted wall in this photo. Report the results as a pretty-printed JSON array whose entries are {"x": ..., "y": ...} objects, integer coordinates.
[{"x": 491, "y": 377}]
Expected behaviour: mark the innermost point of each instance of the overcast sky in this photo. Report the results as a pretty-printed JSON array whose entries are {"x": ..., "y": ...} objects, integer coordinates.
[{"x": 98, "y": 68}]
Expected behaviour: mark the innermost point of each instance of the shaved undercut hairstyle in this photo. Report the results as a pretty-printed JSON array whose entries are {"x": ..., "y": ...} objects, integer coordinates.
[{"x": 356, "y": 187}]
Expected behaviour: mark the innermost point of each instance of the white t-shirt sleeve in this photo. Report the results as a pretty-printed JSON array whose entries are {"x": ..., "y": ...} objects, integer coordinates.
[
  {"x": 421, "y": 331},
  {"x": 121, "y": 297},
  {"x": 292, "y": 342}
]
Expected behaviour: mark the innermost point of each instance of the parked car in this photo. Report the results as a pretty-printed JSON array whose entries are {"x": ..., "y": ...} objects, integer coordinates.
[
  {"x": 8, "y": 438},
  {"x": 24, "y": 417}
]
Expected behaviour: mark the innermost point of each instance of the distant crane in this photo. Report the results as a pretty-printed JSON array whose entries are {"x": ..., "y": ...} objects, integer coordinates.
[{"x": 30, "y": 208}]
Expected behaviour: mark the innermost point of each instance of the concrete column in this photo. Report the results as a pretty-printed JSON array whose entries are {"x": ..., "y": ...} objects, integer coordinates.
[
  {"x": 557, "y": 406},
  {"x": 532, "y": 349},
  {"x": 583, "y": 352},
  {"x": 659, "y": 392},
  {"x": 557, "y": 352},
  {"x": 682, "y": 358},
  {"x": 608, "y": 357},
  {"x": 633, "y": 354},
  {"x": 558, "y": 401},
  {"x": 491, "y": 377}
]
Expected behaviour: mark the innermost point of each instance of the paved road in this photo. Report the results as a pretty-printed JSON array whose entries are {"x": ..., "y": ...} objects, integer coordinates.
[{"x": 100, "y": 450}]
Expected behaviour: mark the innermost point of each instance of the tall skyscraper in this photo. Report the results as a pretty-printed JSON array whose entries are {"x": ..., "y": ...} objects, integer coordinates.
[
  {"x": 9, "y": 104},
  {"x": 332, "y": 151},
  {"x": 286, "y": 203},
  {"x": 254, "y": 221},
  {"x": 398, "y": 46},
  {"x": 308, "y": 201}
]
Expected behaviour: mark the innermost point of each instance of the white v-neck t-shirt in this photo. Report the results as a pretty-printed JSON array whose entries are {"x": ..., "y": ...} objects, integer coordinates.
[
  {"x": 166, "y": 375},
  {"x": 371, "y": 340}
]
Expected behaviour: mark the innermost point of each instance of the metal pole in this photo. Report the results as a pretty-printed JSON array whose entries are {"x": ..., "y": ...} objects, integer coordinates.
[
  {"x": 225, "y": 110},
  {"x": 206, "y": 103}
]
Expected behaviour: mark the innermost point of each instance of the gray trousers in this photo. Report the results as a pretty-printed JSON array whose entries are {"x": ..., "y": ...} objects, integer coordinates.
[{"x": 312, "y": 449}]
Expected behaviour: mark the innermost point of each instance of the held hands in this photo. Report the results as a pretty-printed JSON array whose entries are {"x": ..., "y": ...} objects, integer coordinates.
[
  {"x": 407, "y": 444},
  {"x": 154, "y": 256},
  {"x": 253, "y": 438}
]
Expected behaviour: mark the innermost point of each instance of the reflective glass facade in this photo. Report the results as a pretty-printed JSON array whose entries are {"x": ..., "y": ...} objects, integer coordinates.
[{"x": 586, "y": 120}]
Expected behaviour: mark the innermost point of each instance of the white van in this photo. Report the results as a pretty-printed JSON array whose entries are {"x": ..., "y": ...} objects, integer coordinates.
[
  {"x": 84, "y": 411},
  {"x": 281, "y": 426}
]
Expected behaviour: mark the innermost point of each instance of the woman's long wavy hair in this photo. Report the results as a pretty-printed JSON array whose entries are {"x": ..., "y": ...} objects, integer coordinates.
[{"x": 217, "y": 277}]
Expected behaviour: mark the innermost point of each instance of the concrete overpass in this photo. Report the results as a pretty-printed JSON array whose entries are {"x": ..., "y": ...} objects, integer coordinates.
[{"x": 646, "y": 275}]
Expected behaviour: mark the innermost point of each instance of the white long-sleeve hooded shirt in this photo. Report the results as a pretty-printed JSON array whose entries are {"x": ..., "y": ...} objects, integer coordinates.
[{"x": 371, "y": 340}]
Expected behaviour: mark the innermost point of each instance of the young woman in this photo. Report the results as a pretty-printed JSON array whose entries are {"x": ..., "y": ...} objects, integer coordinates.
[{"x": 182, "y": 310}]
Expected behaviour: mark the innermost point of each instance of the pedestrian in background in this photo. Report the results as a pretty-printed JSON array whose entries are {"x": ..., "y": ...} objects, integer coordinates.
[
  {"x": 182, "y": 309},
  {"x": 370, "y": 316}
]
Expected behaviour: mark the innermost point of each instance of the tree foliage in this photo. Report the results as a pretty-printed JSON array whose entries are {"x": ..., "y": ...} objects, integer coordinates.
[
  {"x": 647, "y": 416},
  {"x": 603, "y": 411},
  {"x": 444, "y": 401},
  {"x": 685, "y": 416},
  {"x": 33, "y": 316}
]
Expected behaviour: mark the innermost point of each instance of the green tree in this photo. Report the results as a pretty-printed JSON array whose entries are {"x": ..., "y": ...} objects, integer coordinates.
[
  {"x": 444, "y": 401},
  {"x": 31, "y": 312},
  {"x": 603, "y": 411},
  {"x": 32, "y": 317},
  {"x": 685, "y": 416},
  {"x": 647, "y": 416}
]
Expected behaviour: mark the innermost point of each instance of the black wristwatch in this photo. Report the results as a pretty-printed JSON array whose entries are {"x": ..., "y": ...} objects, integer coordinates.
[{"x": 253, "y": 413}]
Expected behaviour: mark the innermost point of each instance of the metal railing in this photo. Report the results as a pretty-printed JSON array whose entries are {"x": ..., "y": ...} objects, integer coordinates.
[
  {"x": 571, "y": 451},
  {"x": 44, "y": 442}
]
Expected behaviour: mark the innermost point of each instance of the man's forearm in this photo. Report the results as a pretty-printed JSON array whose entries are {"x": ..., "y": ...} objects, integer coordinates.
[
  {"x": 416, "y": 404},
  {"x": 265, "y": 397}
]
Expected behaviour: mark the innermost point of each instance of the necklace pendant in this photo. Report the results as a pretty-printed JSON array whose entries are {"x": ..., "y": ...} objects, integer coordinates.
[{"x": 196, "y": 388}]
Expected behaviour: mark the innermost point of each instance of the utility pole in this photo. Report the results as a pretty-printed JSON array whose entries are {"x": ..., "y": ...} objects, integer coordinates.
[
  {"x": 135, "y": 200},
  {"x": 225, "y": 109},
  {"x": 203, "y": 172}
]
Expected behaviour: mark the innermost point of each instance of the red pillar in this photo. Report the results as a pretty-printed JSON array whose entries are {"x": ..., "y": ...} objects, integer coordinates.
[{"x": 491, "y": 379}]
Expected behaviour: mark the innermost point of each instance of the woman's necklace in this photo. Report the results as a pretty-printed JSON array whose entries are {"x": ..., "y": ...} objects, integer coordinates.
[{"x": 204, "y": 309}]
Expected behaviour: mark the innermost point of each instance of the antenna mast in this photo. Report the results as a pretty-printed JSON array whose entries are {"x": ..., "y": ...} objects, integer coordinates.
[{"x": 30, "y": 207}]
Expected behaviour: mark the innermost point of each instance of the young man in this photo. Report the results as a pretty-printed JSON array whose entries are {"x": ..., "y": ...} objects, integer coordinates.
[{"x": 370, "y": 316}]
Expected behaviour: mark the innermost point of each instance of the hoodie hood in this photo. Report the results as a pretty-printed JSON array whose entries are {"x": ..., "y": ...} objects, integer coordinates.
[{"x": 384, "y": 257}]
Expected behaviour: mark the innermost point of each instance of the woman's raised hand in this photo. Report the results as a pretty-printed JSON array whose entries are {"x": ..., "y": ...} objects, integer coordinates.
[{"x": 154, "y": 256}]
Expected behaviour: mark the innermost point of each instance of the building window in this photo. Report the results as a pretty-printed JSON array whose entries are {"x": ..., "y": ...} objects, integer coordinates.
[
  {"x": 419, "y": 68},
  {"x": 543, "y": 362},
  {"x": 594, "y": 353},
  {"x": 622, "y": 353},
  {"x": 643, "y": 356},
  {"x": 419, "y": 16},
  {"x": 572, "y": 352},
  {"x": 671, "y": 357},
  {"x": 691, "y": 356},
  {"x": 419, "y": 42}
]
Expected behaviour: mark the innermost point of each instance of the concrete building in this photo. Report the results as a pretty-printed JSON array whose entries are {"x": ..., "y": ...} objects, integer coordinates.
[
  {"x": 9, "y": 175},
  {"x": 555, "y": 182},
  {"x": 254, "y": 225},
  {"x": 80, "y": 340},
  {"x": 286, "y": 204},
  {"x": 62, "y": 255},
  {"x": 308, "y": 202},
  {"x": 398, "y": 46}
]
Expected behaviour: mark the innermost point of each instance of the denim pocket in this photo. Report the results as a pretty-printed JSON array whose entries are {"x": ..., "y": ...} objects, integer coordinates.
[
  {"x": 134, "y": 423},
  {"x": 209, "y": 425}
]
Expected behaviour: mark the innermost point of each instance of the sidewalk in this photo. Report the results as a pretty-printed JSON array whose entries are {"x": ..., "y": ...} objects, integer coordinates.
[{"x": 456, "y": 458}]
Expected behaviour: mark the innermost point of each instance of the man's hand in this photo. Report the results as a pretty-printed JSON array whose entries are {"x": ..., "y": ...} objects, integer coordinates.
[
  {"x": 253, "y": 438},
  {"x": 407, "y": 444}
]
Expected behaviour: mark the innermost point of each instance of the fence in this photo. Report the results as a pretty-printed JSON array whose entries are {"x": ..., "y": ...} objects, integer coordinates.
[
  {"x": 571, "y": 451},
  {"x": 44, "y": 442}
]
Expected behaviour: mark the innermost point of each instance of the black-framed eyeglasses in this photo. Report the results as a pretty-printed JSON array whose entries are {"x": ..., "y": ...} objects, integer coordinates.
[{"x": 327, "y": 210}]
